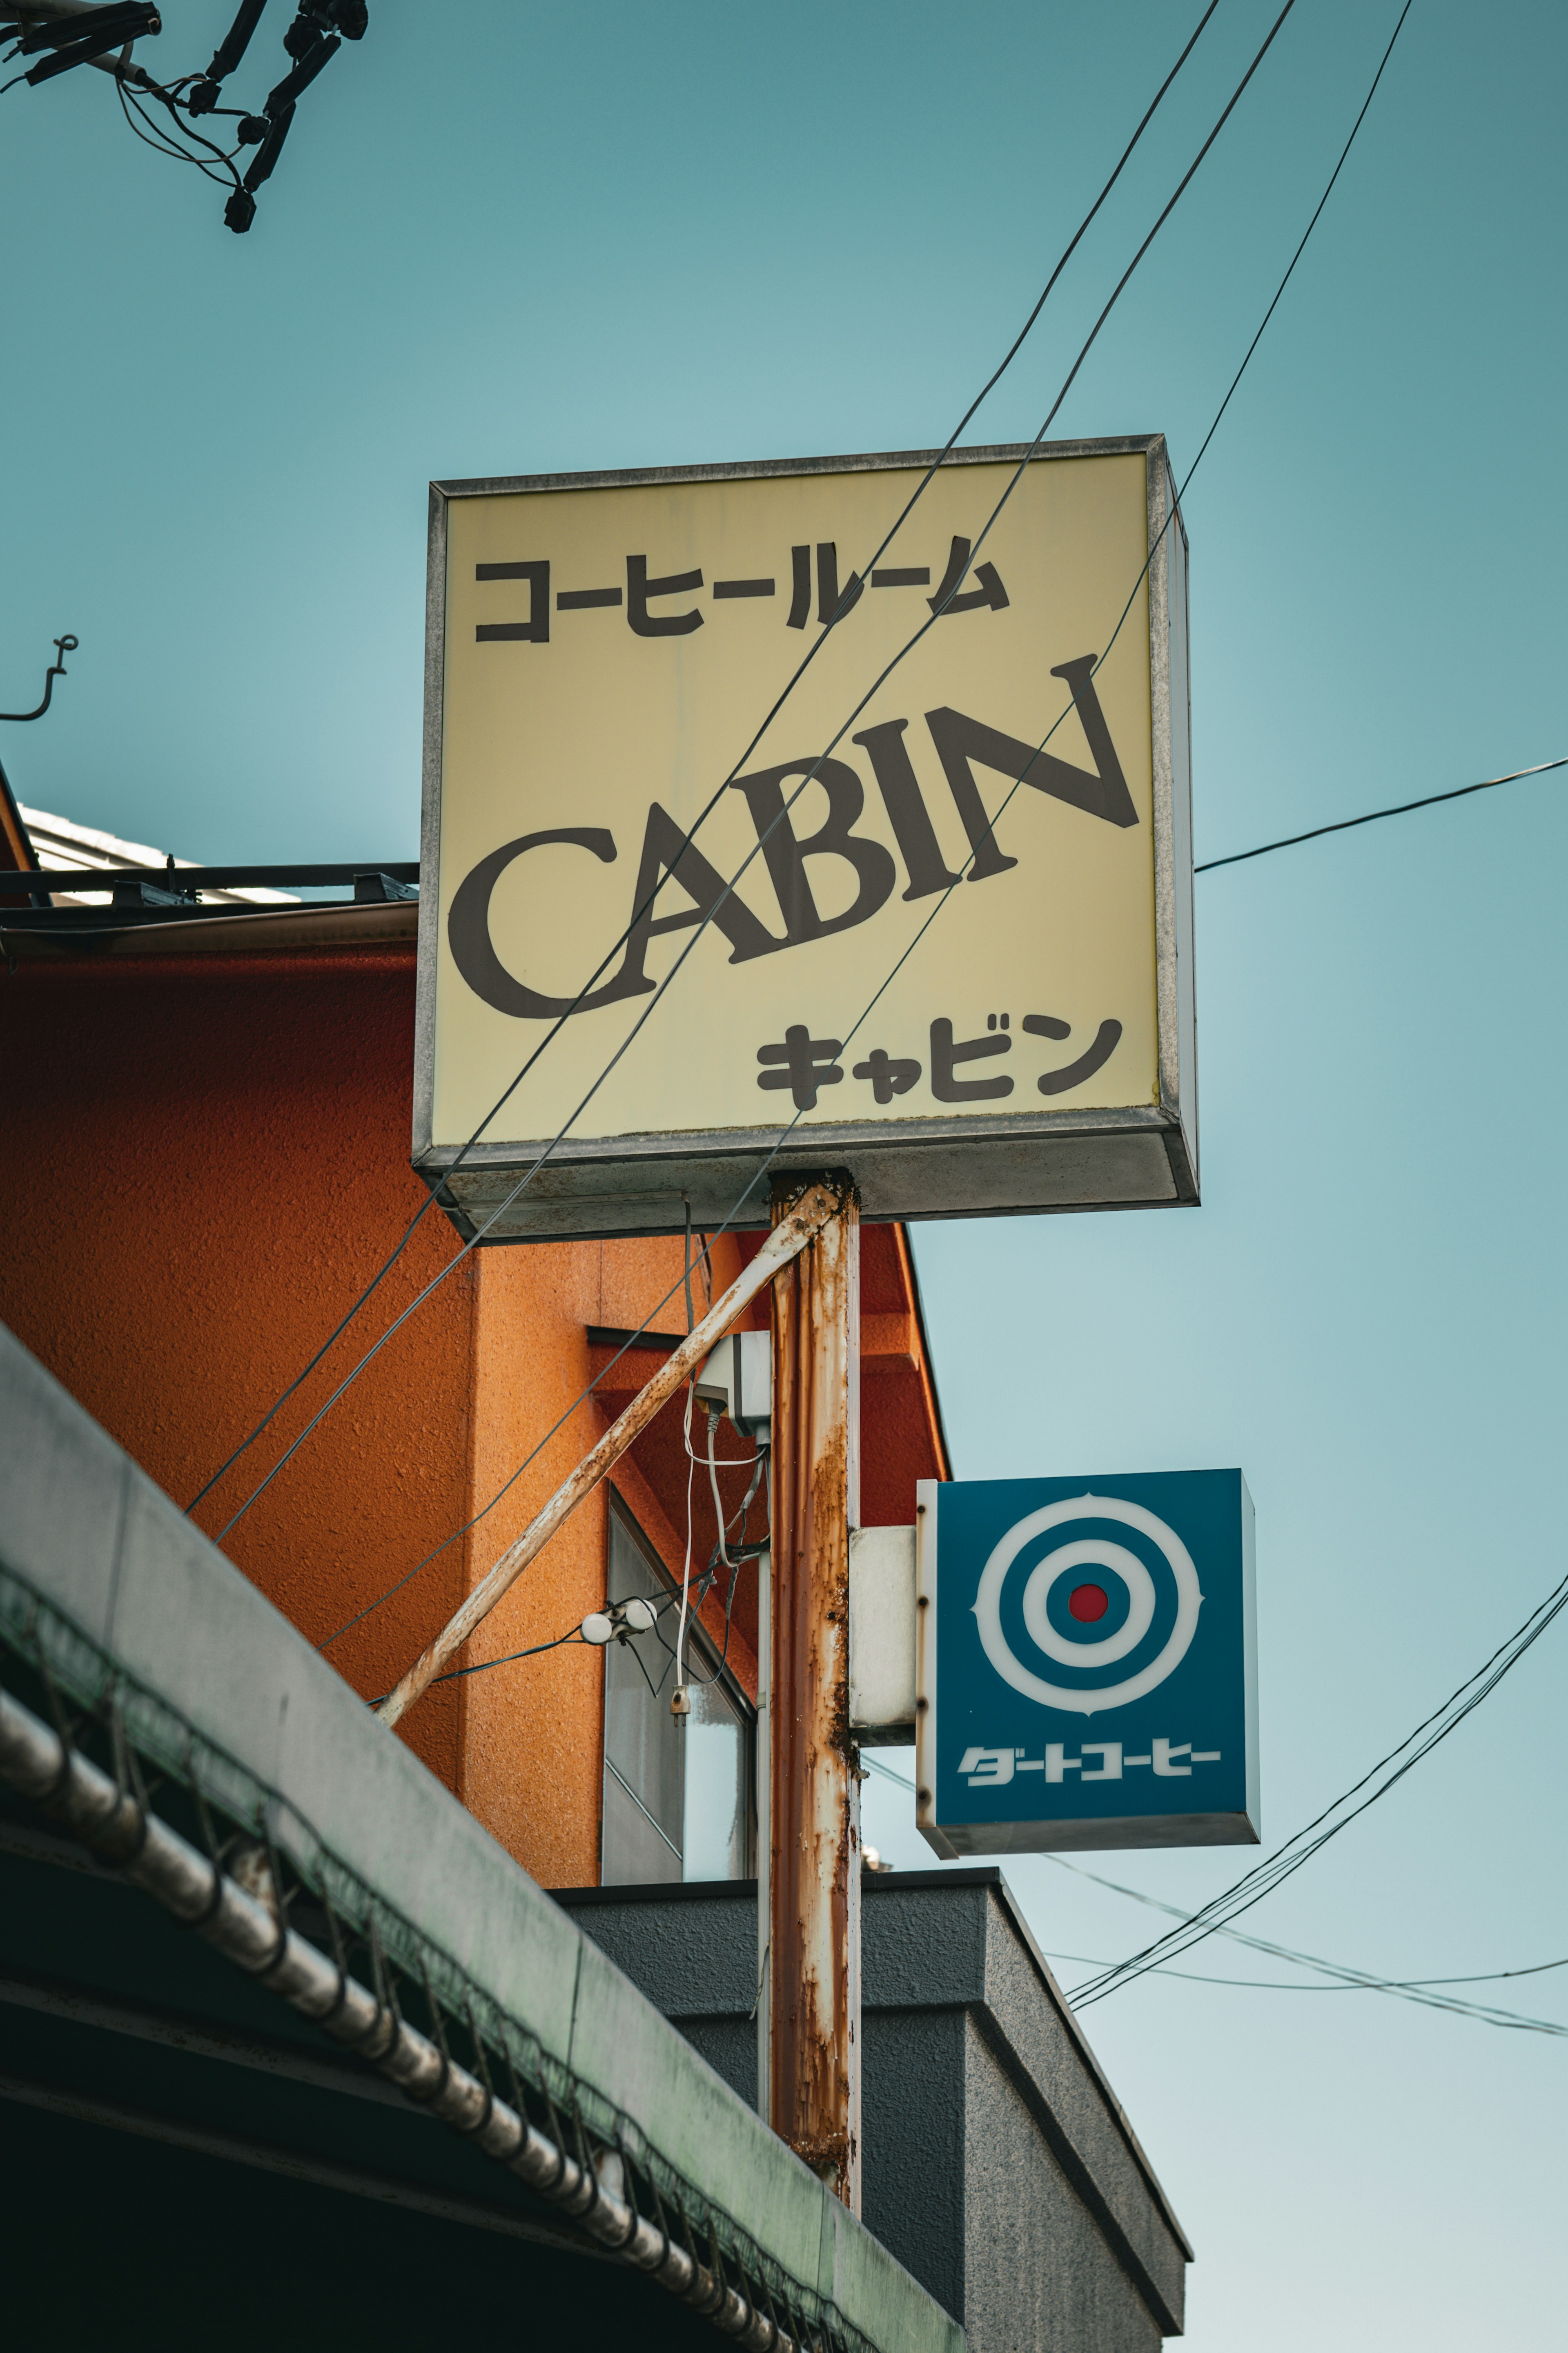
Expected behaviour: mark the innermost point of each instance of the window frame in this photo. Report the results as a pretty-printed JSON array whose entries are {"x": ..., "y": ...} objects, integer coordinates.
[{"x": 703, "y": 1650}]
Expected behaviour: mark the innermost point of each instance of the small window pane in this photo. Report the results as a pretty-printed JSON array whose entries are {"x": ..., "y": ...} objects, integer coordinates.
[
  {"x": 717, "y": 1792},
  {"x": 634, "y": 1851},
  {"x": 643, "y": 1741},
  {"x": 678, "y": 1792}
]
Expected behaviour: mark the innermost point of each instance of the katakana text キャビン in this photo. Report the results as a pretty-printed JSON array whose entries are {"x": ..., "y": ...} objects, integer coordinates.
[{"x": 803, "y": 1063}]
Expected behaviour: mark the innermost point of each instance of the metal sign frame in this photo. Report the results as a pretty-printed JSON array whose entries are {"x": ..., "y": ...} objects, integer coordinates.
[{"x": 975, "y": 1164}]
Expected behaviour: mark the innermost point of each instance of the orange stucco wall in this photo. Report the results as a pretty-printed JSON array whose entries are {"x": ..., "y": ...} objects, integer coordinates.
[{"x": 207, "y": 1160}]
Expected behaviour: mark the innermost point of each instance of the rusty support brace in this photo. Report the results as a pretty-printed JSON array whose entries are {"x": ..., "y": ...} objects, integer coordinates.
[
  {"x": 813, "y": 1976},
  {"x": 792, "y": 1232}
]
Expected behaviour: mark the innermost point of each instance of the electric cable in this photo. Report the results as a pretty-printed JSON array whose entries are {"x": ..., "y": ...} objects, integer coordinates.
[
  {"x": 559, "y": 1424},
  {"x": 1350, "y": 1980},
  {"x": 639, "y": 913},
  {"x": 456, "y": 1675},
  {"x": 1284, "y": 1866},
  {"x": 1404, "y": 809},
  {"x": 1265, "y": 1877},
  {"x": 743, "y": 1552},
  {"x": 574, "y": 1634},
  {"x": 157, "y": 140},
  {"x": 679, "y": 1694},
  {"x": 197, "y": 95},
  {"x": 1481, "y": 2012},
  {"x": 700, "y": 928},
  {"x": 654, "y": 1688},
  {"x": 786, "y": 1132},
  {"x": 713, "y": 1482}
]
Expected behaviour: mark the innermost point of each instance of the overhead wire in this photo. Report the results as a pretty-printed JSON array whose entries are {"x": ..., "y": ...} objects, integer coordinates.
[
  {"x": 1403, "y": 808},
  {"x": 456, "y": 1675},
  {"x": 155, "y": 136},
  {"x": 1378, "y": 1780},
  {"x": 713, "y": 1482},
  {"x": 743, "y": 1552},
  {"x": 641, "y": 911},
  {"x": 574, "y": 1633},
  {"x": 787, "y": 1130},
  {"x": 180, "y": 93},
  {"x": 1483, "y": 2013},
  {"x": 686, "y": 1572},
  {"x": 629, "y": 1344},
  {"x": 159, "y": 141},
  {"x": 757, "y": 850},
  {"x": 720, "y": 1553},
  {"x": 1262, "y": 1881},
  {"x": 1347, "y": 1979}
]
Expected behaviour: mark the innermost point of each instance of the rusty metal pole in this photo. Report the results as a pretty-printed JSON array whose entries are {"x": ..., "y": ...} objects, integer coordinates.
[{"x": 813, "y": 1976}]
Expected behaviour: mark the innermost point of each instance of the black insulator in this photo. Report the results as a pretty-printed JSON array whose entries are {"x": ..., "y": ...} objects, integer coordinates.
[
  {"x": 128, "y": 20},
  {"x": 232, "y": 47},
  {"x": 203, "y": 98},
  {"x": 240, "y": 211},
  {"x": 253, "y": 129},
  {"x": 282, "y": 98},
  {"x": 302, "y": 36},
  {"x": 267, "y": 154}
]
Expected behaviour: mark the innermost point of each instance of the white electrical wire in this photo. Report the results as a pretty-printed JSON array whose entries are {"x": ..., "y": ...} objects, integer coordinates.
[
  {"x": 713, "y": 1482},
  {"x": 679, "y": 1704}
]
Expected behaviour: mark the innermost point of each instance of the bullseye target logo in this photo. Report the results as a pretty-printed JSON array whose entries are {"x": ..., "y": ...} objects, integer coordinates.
[
  {"x": 1086, "y": 1663},
  {"x": 1104, "y": 1595}
]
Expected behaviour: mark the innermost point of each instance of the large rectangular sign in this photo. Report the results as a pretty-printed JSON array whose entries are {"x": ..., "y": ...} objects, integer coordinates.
[
  {"x": 1086, "y": 1665},
  {"x": 959, "y": 962}
]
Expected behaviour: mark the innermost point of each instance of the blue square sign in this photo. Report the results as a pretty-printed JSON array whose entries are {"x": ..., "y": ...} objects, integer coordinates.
[{"x": 1087, "y": 1662}]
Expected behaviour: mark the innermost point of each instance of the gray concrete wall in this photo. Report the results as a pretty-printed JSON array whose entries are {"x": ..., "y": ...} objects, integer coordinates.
[
  {"x": 106, "y": 1582},
  {"x": 998, "y": 2165}
]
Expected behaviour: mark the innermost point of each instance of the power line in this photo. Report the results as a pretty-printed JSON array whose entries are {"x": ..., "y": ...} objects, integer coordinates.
[
  {"x": 456, "y": 1675},
  {"x": 556, "y": 1426},
  {"x": 786, "y": 1132},
  {"x": 1382, "y": 1777},
  {"x": 667, "y": 1600},
  {"x": 1349, "y": 1980},
  {"x": 1483, "y": 2013},
  {"x": 313, "y": 41},
  {"x": 758, "y": 848},
  {"x": 641, "y": 911},
  {"x": 559, "y": 1424},
  {"x": 1347, "y": 824}
]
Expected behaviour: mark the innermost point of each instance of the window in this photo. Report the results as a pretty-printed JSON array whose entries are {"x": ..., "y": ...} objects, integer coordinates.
[{"x": 677, "y": 1802}]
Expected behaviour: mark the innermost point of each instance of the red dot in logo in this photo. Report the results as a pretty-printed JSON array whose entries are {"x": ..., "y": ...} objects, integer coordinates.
[{"x": 1088, "y": 1602}]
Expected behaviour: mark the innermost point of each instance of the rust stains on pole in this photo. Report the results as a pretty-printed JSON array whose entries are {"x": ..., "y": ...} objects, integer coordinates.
[
  {"x": 810, "y": 1204},
  {"x": 813, "y": 1986}
]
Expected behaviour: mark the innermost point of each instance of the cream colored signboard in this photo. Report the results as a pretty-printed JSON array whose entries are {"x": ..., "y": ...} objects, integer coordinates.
[{"x": 921, "y": 910}]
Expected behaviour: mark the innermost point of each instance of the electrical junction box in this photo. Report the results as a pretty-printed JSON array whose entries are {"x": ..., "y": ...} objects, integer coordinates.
[
  {"x": 882, "y": 1637},
  {"x": 738, "y": 1378},
  {"x": 1085, "y": 1663}
]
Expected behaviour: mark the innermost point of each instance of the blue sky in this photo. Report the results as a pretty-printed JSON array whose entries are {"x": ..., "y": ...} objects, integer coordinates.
[{"x": 506, "y": 240}]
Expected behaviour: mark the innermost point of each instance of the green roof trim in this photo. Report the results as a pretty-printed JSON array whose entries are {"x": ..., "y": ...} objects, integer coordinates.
[{"x": 107, "y": 1588}]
